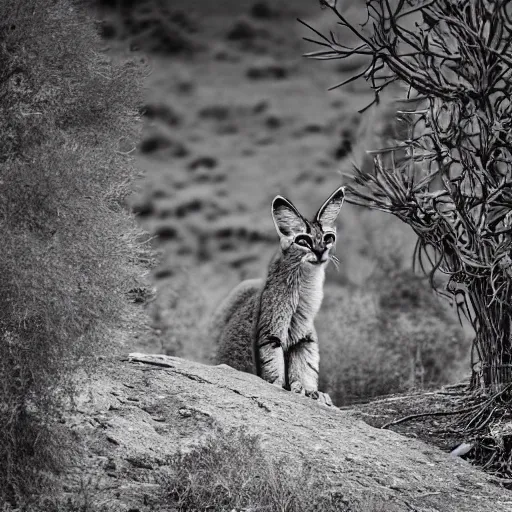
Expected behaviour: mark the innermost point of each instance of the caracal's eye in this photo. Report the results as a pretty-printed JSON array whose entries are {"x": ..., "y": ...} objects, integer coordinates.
[
  {"x": 329, "y": 238},
  {"x": 303, "y": 240}
]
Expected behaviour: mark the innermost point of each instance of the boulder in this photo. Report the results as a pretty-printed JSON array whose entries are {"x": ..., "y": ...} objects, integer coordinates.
[{"x": 145, "y": 408}]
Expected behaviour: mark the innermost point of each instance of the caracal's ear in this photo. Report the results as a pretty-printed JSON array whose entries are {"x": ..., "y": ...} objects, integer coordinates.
[
  {"x": 328, "y": 212},
  {"x": 287, "y": 219}
]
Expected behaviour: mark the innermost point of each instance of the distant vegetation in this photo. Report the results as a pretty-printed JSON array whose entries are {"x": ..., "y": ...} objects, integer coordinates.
[
  {"x": 67, "y": 118},
  {"x": 389, "y": 336}
]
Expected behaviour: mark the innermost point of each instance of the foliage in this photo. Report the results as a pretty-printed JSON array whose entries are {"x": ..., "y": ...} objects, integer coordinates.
[
  {"x": 64, "y": 265},
  {"x": 449, "y": 177}
]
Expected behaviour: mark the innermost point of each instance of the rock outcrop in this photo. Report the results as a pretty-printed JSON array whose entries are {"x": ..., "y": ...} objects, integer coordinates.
[{"x": 147, "y": 407}]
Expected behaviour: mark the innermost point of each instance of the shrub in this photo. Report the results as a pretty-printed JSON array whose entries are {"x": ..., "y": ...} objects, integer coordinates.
[
  {"x": 391, "y": 336},
  {"x": 230, "y": 471},
  {"x": 354, "y": 364},
  {"x": 64, "y": 263}
]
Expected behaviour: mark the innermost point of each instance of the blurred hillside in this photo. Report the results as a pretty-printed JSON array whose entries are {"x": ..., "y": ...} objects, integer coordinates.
[{"x": 235, "y": 115}]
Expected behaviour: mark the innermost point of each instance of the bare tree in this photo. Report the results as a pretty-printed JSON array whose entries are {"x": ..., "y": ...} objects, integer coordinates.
[{"x": 449, "y": 176}]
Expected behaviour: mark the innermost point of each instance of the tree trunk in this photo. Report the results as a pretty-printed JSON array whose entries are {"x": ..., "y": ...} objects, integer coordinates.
[{"x": 494, "y": 346}]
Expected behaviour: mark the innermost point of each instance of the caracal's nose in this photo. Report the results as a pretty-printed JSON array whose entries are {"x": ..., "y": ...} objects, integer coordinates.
[{"x": 322, "y": 255}]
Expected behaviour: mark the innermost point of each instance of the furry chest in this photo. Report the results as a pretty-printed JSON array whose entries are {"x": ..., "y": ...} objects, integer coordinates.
[
  {"x": 301, "y": 322},
  {"x": 311, "y": 294}
]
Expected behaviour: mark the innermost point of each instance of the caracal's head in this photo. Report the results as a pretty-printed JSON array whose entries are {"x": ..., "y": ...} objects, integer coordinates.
[{"x": 303, "y": 241}]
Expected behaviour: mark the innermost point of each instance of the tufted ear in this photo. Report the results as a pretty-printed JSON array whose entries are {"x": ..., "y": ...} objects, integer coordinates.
[
  {"x": 329, "y": 211},
  {"x": 287, "y": 219}
]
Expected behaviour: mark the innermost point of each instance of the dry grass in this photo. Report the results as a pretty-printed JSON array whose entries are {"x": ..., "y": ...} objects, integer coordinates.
[
  {"x": 64, "y": 265},
  {"x": 230, "y": 471}
]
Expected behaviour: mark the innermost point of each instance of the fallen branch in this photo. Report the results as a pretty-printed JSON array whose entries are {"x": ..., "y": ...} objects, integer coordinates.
[{"x": 424, "y": 414}]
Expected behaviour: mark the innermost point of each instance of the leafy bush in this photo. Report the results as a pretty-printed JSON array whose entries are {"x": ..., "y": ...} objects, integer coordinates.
[{"x": 64, "y": 263}]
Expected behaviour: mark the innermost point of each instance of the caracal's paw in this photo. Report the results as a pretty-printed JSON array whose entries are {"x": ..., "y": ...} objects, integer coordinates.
[
  {"x": 297, "y": 387},
  {"x": 323, "y": 398}
]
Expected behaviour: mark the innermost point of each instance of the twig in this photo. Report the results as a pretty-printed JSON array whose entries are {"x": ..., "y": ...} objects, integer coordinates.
[
  {"x": 126, "y": 152},
  {"x": 424, "y": 414},
  {"x": 480, "y": 406},
  {"x": 484, "y": 406}
]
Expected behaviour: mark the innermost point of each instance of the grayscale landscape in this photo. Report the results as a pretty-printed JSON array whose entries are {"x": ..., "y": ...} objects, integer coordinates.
[{"x": 143, "y": 145}]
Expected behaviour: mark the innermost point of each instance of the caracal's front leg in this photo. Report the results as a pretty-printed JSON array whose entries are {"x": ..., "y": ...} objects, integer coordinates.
[
  {"x": 271, "y": 336},
  {"x": 303, "y": 364},
  {"x": 271, "y": 360}
]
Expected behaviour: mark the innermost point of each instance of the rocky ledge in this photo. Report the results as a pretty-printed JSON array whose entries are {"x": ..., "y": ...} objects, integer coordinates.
[{"x": 144, "y": 408}]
